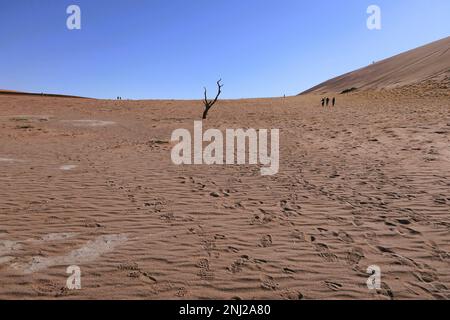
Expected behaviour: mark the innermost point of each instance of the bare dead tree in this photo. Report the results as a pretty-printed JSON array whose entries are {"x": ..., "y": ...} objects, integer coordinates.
[{"x": 209, "y": 104}]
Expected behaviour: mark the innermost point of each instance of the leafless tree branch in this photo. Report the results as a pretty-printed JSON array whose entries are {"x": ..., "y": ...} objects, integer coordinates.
[{"x": 209, "y": 104}]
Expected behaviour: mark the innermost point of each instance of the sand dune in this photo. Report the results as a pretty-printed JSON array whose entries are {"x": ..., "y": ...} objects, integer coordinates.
[
  {"x": 363, "y": 184},
  {"x": 91, "y": 182},
  {"x": 427, "y": 64},
  {"x": 12, "y": 92}
]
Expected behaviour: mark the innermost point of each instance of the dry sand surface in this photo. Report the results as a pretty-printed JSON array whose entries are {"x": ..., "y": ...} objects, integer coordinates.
[{"x": 91, "y": 183}]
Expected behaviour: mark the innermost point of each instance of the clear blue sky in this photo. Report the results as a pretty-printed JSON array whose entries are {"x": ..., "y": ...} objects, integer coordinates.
[{"x": 172, "y": 48}]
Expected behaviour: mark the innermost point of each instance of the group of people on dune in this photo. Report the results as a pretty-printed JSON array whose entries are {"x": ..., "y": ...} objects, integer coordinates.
[{"x": 326, "y": 102}]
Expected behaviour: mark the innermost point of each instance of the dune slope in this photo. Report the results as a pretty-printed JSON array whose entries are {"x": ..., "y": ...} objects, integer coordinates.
[{"x": 430, "y": 63}]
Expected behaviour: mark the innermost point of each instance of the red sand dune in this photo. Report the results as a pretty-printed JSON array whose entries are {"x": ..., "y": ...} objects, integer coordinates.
[
  {"x": 430, "y": 63},
  {"x": 12, "y": 92},
  {"x": 90, "y": 183}
]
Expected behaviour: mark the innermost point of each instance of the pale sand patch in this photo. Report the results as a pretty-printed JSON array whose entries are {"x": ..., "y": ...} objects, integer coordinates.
[
  {"x": 6, "y": 259},
  {"x": 10, "y": 160},
  {"x": 68, "y": 167},
  {"x": 89, "y": 252},
  {"x": 6, "y": 248},
  {"x": 89, "y": 123}
]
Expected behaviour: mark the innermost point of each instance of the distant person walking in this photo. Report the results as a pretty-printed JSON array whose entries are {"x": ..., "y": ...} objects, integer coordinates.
[
  {"x": 328, "y": 101},
  {"x": 334, "y": 101},
  {"x": 323, "y": 102}
]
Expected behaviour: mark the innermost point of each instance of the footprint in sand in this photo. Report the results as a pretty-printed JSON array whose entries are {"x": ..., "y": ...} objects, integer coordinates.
[
  {"x": 262, "y": 218},
  {"x": 289, "y": 270},
  {"x": 154, "y": 286},
  {"x": 333, "y": 285},
  {"x": 144, "y": 277},
  {"x": 288, "y": 208},
  {"x": 129, "y": 266},
  {"x": 239, "y": 264},
  {"x": 181, "y": 292},
  {"x": 246, "y": 262},
  {"x": 438, "y": 253},
  {"x": 46, "y": 287},
  {"x": 325, "y": 253},
  {"x": 266, "y": 241},
  {"x": 386, "y": 291},
  {"x": 344, "y": 237},
  {"x": 269, "y": 283},
  {"x": 209, "y": 245},
  {"x": 426, "y": 276},
  {"x": 157, "y": 205},
  {"x": 292, "y": 295},
  {"x": 298, "y": 235},
  {"x": 355, "y": 256},
  {"x": 205, "y": 272}
]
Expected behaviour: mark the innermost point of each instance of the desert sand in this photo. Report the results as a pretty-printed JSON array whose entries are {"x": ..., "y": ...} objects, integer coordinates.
[{"x": 91, "y": 183}]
